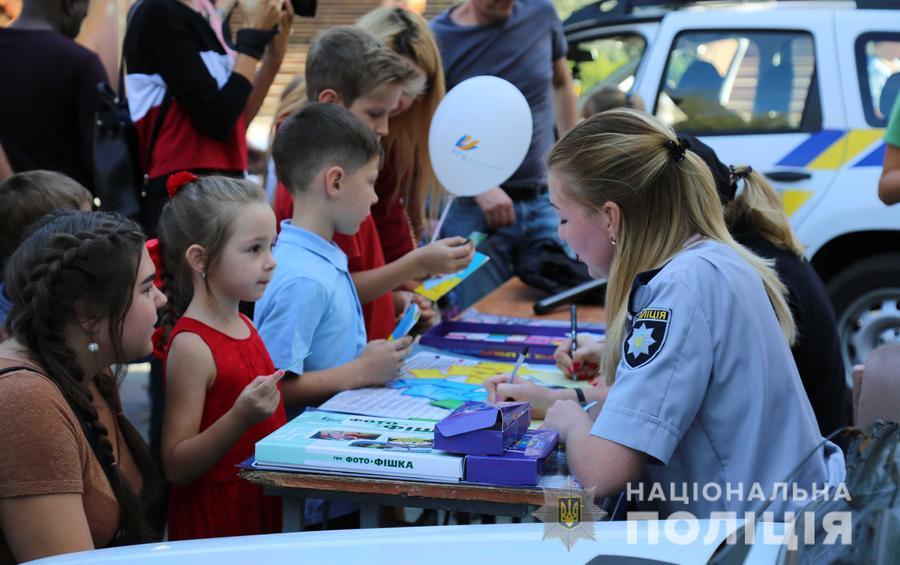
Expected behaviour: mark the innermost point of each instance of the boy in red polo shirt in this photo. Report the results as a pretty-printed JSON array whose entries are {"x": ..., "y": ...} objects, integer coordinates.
[{"x": 330, "y": 78}]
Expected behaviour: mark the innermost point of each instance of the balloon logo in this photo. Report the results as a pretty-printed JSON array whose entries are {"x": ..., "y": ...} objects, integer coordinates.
[{"x": 479, "y": 135}]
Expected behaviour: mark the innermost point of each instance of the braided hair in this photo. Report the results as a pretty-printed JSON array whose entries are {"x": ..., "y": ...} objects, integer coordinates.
[{"x": 83, "y": 267}]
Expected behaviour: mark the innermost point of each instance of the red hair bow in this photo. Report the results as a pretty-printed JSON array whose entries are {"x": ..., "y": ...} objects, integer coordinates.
[
  {"x": 155, "y": 251},
  {"x": 176, "y": 181}
]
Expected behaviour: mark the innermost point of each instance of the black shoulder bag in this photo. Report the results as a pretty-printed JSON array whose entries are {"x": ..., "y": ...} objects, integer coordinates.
[
  {"x": 119, "y": 178},
  {"x": 118, "y": 175}
]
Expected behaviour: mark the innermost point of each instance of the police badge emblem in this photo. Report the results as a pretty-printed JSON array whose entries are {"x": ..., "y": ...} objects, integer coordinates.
[
  {"x": 569, "y": 513},
  {"x": 647, "y": 336}
]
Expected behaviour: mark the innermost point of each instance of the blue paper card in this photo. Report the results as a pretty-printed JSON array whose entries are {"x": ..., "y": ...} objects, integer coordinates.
[{"x": 409, "y": 320}]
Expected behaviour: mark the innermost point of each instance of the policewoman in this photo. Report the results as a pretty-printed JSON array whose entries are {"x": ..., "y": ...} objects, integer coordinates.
[{"x": 704, "y": 390}]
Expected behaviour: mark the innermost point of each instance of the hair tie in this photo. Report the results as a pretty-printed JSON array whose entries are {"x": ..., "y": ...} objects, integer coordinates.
[
  {"x": 677, "y": 149},
  {"x": 178, "y": 180},
  {"x": 742, "y": 174}
]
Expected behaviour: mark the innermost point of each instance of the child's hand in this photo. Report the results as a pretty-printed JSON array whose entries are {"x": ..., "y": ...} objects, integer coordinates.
[
  {"x": 520, "y": 390},
  {"x": 259, "y": 399},
  {"x": 428, "y": 314},
  {"x": 444, "y": 256},
  {"x": 402, "y": 300},
  {"x": 586, "y": 364},
  {"x": 381, "y": 359}
]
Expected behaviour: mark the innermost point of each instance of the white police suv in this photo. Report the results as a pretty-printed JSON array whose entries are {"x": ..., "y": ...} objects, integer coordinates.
[{"x": 799, "y": 90}]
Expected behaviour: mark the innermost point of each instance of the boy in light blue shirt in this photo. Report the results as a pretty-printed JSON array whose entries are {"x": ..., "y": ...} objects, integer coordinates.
[{"x": 310, "y": 317}]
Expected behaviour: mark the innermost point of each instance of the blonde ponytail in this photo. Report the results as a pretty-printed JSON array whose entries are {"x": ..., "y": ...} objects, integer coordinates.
[
  {"x": 759, "y": 209},
  {"x": 626, "y": 157}
]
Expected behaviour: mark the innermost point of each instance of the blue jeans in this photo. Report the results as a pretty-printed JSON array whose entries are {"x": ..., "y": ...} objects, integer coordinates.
[{"x": 535, "y": 219}]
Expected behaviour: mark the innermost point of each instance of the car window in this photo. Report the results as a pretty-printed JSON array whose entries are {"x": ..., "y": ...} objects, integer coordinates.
[
  {"x": 740, "y": 82},
  {"x": 878, "y": 68},
  {"x": 611, "y": 60}
]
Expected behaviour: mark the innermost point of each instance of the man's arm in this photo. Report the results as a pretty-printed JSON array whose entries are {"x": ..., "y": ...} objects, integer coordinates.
[
  {"x": 889, "y": 183},
  {"x": 564, "y": 100}
]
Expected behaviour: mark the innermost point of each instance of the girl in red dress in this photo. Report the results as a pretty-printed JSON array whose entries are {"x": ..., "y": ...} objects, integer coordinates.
[{"x": 222, "y": 393}]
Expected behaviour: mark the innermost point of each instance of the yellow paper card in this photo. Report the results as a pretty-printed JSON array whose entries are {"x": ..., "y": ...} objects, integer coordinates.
[{"x": 427, "y": 373}]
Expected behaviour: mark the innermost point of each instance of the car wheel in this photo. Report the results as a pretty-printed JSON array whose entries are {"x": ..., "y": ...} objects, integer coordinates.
[{"x": 866, "y": 299}]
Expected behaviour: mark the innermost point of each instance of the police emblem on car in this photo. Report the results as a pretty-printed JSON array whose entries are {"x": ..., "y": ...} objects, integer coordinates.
[{"x": 647, "y": 336}]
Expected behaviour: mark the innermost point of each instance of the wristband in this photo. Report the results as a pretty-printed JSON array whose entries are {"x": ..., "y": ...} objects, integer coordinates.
[
  {"x": 252, "y": 42},
  {"x": 580, "y": 394}
]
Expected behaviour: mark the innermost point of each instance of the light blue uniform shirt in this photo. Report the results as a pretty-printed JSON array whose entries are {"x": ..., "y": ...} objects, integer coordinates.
[
  {"x": 708, "y": 389},
  {"x": 310, "y": 318}
]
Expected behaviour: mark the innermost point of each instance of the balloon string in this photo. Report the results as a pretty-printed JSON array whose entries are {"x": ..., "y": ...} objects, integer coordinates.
[{"x": 440, "y": 223}]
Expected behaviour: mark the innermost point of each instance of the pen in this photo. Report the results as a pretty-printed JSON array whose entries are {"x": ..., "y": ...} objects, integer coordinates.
[
  {"x": 573, "y": 319},
  {"x": 589, "y": 405},
  {"x": 518, "y": 366}
]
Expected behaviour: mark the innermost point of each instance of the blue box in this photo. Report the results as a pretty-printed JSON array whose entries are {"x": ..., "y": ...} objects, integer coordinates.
[
  {"x": 480, "y": 428},
  {"x": 501, "y": 342},
  {"x": 520, "y": 465}
]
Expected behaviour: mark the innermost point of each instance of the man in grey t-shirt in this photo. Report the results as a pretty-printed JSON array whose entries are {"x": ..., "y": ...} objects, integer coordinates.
[{"x": 520, "y": 41}]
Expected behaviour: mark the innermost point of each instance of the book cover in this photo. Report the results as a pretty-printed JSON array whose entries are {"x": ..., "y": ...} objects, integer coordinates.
[{"x": 330, "y": 442}]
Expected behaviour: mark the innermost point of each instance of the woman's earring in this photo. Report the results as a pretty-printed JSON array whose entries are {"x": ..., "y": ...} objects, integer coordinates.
[
  {"x": 613, "y": 240},
  {"x": 203, "y": 275},
  {"x": 93, "y": 347}
]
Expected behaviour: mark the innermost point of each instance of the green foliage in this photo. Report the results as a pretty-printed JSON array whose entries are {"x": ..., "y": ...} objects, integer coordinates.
[
  {"x": 612, "y": 59},
  {"x": 565, "y": 7}
]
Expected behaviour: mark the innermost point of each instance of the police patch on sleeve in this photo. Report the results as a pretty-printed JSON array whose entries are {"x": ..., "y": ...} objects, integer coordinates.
[{"x": 647, "y": 336}]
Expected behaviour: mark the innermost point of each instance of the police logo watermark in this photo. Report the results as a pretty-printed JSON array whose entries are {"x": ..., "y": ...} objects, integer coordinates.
[
  {"x": 569, "y": 513},
  {"x": 647, "y": 336}
]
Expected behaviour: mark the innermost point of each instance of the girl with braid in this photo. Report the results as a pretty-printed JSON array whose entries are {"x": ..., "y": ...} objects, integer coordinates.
[
  {"x": 75, "y": 475},
  {"x": 216, "y": 236}
]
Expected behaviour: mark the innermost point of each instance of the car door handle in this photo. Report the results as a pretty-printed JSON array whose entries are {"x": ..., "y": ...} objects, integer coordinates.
[{"x": 787, "y": 176}]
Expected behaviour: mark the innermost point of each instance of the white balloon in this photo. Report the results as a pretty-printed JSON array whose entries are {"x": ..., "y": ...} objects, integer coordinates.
[{"x": 479, "y": 135}]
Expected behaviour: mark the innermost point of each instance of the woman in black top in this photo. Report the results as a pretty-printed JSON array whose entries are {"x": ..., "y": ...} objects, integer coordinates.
[
  {"x": 757, "y": 221},
  {"x": 179, "y": 65}
]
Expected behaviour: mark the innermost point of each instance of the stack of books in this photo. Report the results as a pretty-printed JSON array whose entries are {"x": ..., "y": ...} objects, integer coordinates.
[{"x": 329, "y": 442}]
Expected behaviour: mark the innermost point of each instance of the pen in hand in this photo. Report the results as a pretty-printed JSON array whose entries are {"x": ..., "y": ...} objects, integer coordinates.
[
  {"x": 573, "y": 319},
  {"x": 518, "y": 365}
]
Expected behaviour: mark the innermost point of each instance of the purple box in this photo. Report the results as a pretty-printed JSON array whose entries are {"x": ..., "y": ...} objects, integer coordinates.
[
  {"x": 520, "y": 465},
  {"x": 486, "y": 343},
  {"x": 479, "y": 428}
]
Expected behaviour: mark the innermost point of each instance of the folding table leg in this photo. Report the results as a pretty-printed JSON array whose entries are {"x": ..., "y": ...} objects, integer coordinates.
[{"x": 369, "y": 515}]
